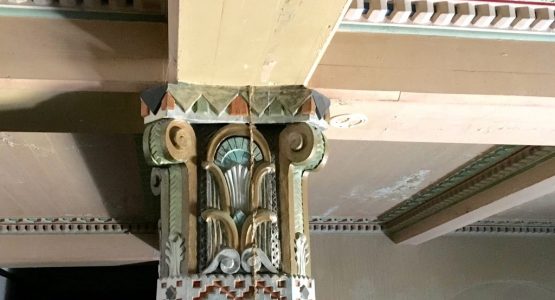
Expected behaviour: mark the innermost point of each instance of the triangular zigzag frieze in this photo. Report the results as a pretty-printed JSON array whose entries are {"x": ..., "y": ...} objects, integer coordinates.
[
  {"x": 292, "y": 97},
  {"x": 263, "y": 98},
  {"x": 220, "y": 97},
  {"x": 184, "y": 97}
]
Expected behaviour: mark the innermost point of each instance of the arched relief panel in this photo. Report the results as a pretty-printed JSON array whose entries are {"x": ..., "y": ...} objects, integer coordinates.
[{"x": 240, "y": 210}]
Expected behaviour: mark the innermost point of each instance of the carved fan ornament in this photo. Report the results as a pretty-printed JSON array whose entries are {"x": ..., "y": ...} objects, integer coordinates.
[{"x": 237, "y": 205}]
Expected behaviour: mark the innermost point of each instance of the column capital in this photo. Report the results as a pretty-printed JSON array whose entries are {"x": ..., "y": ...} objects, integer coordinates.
[{"x": 235, "y": 104}]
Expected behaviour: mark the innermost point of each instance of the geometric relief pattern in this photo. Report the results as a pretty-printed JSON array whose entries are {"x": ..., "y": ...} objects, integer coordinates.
[
  {"x": 240, "y": 104},
  {"x": 237, "y": 287}
]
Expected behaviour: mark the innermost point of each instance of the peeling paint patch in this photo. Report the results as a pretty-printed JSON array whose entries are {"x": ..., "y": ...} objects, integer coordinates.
[
  {"x": 267, "y": 69},
  {"x": 330, "y": 211},
  {"x": 8, "y": 140},
  {"x": 403, "y": 188}
]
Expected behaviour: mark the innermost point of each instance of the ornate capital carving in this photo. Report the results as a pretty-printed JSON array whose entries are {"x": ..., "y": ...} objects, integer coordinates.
[
  {"x": 170, "y": 146},
  {"x": 169, "y": 142},
  {"x": 251, "y": 213}
]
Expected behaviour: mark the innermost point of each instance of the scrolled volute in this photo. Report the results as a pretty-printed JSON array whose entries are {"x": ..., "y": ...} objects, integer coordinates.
[
  {"x": 303, "y": 144},
  {"x": 228, "y": 260},
  {"x": 169, "y": 142}
]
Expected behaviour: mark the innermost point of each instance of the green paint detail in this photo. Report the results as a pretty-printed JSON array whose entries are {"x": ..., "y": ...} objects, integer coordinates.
[
  {"x": 176, "y": 199},
  {"x": 49, "y": 13},
  {"x": 467, "y": 171},
  {"x": 298, "y": 170},
  {"x": 191, "y": 97},
  {"x": 153, "y": 143},
  {"x": 489, "y": 34},
  {"x": 149, "y": 201},
  {"x": 503, "y": 170}
]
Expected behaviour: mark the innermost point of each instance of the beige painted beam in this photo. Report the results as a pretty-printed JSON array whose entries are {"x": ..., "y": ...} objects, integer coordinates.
[
  {"x": 445, "y": 118},
  {"x": 79, "y": 55},
  {"x": 432, "y": 64},
  {"x": 64, "y": 250},
  {"x": 519, "y": 189},
  {"x": 253, "y": 42},
  {"x": 63, "y": 75}
]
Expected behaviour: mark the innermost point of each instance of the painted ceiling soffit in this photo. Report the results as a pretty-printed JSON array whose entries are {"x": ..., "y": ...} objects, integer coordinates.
[
  {"x": 231, "y": 104},
  {"x": 521, "y": 20},
  {"x": 489, "y": 169}
]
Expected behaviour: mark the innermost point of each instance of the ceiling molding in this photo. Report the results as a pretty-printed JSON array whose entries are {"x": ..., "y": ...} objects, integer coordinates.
[
  {"x": 474, "y": 167},
  {"x": 512, "y": 20},
  {"x": 509, "y": 227},
  {"x": 73, "y": 225},
  {"x": 468, "y": 194},
  {"x": 321, "y": 224},
  {"x": 111, "y": 10},
  {"x": 318, "y": 224},
  {"x": 343, "y": 225}
]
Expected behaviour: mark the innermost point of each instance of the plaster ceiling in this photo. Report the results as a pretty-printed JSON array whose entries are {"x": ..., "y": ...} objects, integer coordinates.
[
  {"x": 364, "y": 179},
  {"x": 541, "y": 209},
  {"x": 63, "y": 174}
]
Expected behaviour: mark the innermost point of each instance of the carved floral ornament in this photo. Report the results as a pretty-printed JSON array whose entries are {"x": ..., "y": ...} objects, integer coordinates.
[{"x": 232, "y": 197}]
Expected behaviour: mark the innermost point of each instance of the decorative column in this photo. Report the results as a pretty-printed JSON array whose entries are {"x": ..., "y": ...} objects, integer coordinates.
[{"x": 230, "y": 166}]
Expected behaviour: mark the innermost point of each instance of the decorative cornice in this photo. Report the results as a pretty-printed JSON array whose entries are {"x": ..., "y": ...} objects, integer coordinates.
[
  {"x": 509, "y": 227},
  {"x": 81, "y": 225},
  {"x": 526, "y": 17},
  {"x": 344, "y": 224},
  {"x": 133, "y": 6},
  {"x": 72, "y": 225},
  {"x": 365, "y": 225},
  {"x": 460, "y": 175},
  {"x": 464, "y": 183},
  {"x": 128, "y": 11}
]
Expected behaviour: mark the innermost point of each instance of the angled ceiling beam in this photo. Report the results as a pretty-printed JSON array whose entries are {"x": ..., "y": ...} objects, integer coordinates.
[
  {"x": 505, "y": 177},
  {"x": 254, "y": 43}
]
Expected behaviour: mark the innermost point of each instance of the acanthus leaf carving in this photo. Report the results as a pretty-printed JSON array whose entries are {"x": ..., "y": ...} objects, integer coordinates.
[
  {"x": 175, "y": 251},
  {"x": 302, "y": 254}
]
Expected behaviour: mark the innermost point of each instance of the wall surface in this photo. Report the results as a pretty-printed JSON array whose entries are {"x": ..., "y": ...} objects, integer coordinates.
[
  {"x": 456, "y": 267},
  {"x": 2, "y": 287}
]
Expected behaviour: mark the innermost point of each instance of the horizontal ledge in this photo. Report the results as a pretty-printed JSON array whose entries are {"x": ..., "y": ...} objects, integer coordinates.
[
  {"x": 444, "y": 118},
  {"x": 80, "y": 14},
  {"x": 474, "y": 33},
  {"x": 72, "y": 85},
  {"x": 57, "y": 250}
]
